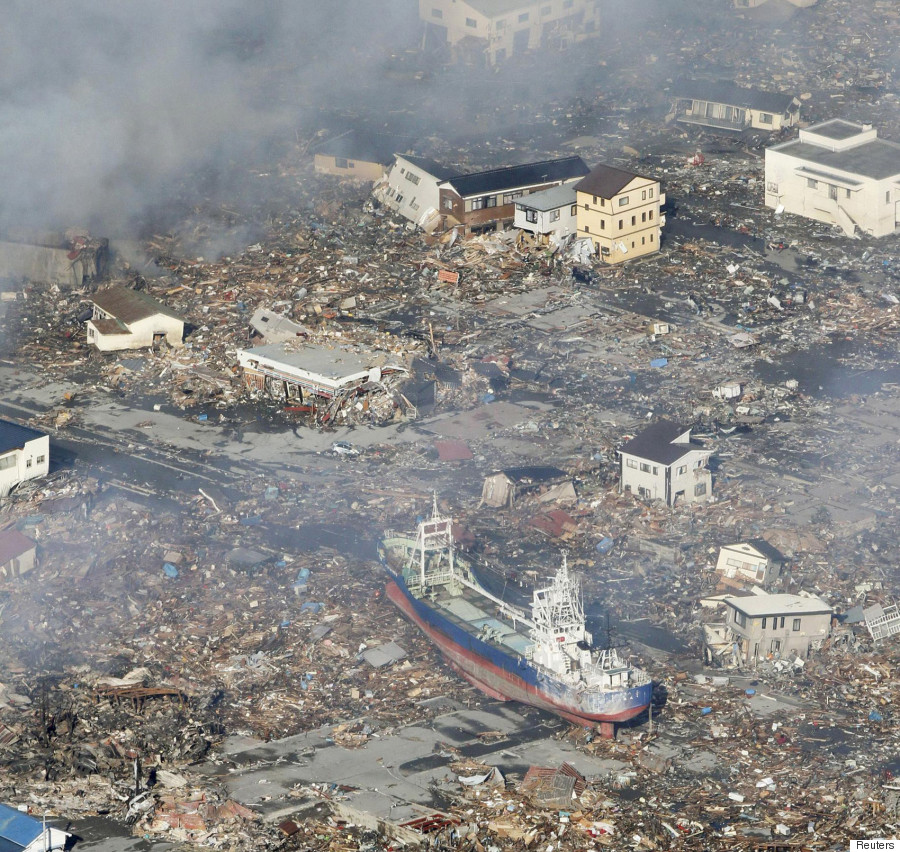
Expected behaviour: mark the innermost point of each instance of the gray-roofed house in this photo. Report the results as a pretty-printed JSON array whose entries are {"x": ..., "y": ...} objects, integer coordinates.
[
  {"x": 130, "y": 319},
  {"x": 550, "y": 214},
  {"x": 620, "y": 212},
  {"x": 490, "y": 31},
  {"x": 24, "y": 454},
  {"x": 662, "y": 463},
  {"x": 485, "y": 200},
  {"x": 411, "y": 189},
  {"x": 763, "y": 626},
  {"x": 721, "y": 106},
  {"x": 840, "y": 173},
  {"x": 754, "y": 560},
  {"x": 20, "y": 832}
]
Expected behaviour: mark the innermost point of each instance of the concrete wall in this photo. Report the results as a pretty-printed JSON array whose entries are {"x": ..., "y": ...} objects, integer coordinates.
[
  {"x": 31, "y": 462},
  {"x": 609, "y": 224},
  {"x": 46, "y": 264}
]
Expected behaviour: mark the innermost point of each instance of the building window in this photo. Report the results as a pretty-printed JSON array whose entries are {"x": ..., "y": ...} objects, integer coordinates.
[
  {"x": 644, "y": 195},
  {"x": 399, "y": 198},
  {"x": 623, "y": 201},
  {"x": 587, "y": 230},
  {"x": 574, "y": 211},
  {"x": 651, "y": 238},
  {"x": 603, "y": 224},
  {"x": 413, "y": 179},
  {"x": 603, "y": 202},
  {"x": 531, "y": 216},
  {"x": 621, "y": 222},
  {"x": 645, "y": 468},
  {"x": 523, "y": 17},
  {"x": 796, "y": 625},
  {"x": 509, "y": 197},
  {"x": 650, "y": 215},
  {"x": 633, "y": 221},
  {"x": 341, "y": 163},
  {"x": 700, "y": 489},
  {"x": 8, "y": 461},
  {"x": 764, "y": 622},
  {"x": 781, "y": 620},
  {"x": 27, "y": 462},
  {"x": 631, "y": 463},
  {"x": 413, "y": 204},
  {"x": 448, "y": 203},
  {"x": 587, "y": 206},
  {"x": 595, "y": 200},
  {"x": 643, "y": 241},
  {"x": 644, "y": 216},
  {"x": 765, "y": 118},
  {"x": 471, "y": 22},
  {"x": 554, "y": 215},
  {"x": 740, "y": 619},
  {"x": 682, "y": 470},
  {"x": 90, "y": 333},
  {"x": 655, "y": 470},
  {"x": 500, "y": 24},
  {"x": 437, "y": 13},
  {"x": 887, "y": 197},
  {"x": 40, "y": 459},
  {"x": 846, "y": 193},
  {"x": 632, "y": 243},
  {"x": 651, "y": 192},
  {"x": 812, "y": 183}
]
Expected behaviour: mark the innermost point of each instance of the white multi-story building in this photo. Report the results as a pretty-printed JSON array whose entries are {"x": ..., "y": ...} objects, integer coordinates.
[
  {"x": 840, "y": 173},
  {"x": 549, "y": 214},
  {"x": 24, "y": 454}
]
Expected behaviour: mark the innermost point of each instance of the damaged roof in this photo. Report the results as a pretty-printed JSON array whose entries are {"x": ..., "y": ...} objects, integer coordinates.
[
  {"x": 130, "y": 306},
  {"x": 17, "y": 829},
  {"x": 513, "y": 177},
  {"x": 759, "y": 605},
  {"x": 658, "y": 443},
  {"x": 430, "y": 167},
  {"x": 13, "y": 544},
  {"x": 14, "y": 437},
  {"x": 606, "y": 181},
  {"x": 366, "y": 147},
  {"x": 733, "y": 95}
]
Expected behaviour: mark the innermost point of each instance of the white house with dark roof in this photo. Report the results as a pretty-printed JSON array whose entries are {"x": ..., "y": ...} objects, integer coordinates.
[
  {"x": 662, "y": 463},
  {"x": 411, "y": 189},
  {"x": 764, "y": 626},
  {"x": 840, "y": 173},
  {"x": 549, "y": 214},
  {"x": 754, "y": 560},
  {"x": 129, "y": 319},
  {"x": 24, "y": 455},
  {"x": 722, "y": 106},
  {"x": 20, "y": 832}
]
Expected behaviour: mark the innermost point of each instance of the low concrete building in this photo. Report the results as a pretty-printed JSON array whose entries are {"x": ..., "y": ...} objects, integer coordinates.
[
  {"x": 662, "y": 463},
  {"x": 549, "y": 214},
  {"x": 411, "y": 189},
  {"x": 20, "y": 832},
  {"x": 620, "y": 212},
  {"x": 24, "y": 455},
  {"x": 17, "y": 553},
  {"x": 129, "y": 319},
  {"x": 721, "y": 106},
  {"x": 67, "y": 260},
  {"x": 487, "y": 200},
  {"x": 490, "y": 31},
  {"x": 754, "y": 561},
  {"x": 840, "y": 173},
  {"x": 321, "y": 377},
  {"x": 764, "y": 626}
]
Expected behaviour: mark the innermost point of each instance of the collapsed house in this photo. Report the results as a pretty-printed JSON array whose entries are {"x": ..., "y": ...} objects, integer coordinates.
[
  {"x": 490, "y": 31},
  {"x": 504, "y": 487},
  {"x": 24, "y": 455},
  {"x": 411, "y": 189},
  {"x": 760, "y": 627},
  {"x": 839, "y": 173},
  {"x": 68, "y": 260},
  {"x": 662, "y": 463},
  {"x": 620, "y": 212},
  {"x": 129, "y": 319},
  {"x": 325, "y": 380},
  {"x": 725, "y": 107},
  {"x": 268, "y": 327},
  {"x": 17, "y": 553}
]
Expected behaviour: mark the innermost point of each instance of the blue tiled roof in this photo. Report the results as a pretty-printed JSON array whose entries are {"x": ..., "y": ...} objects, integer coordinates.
[{"x": 17, "y": 829}]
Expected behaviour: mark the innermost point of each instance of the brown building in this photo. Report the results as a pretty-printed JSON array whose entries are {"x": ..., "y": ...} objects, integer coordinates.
[{"x": 487, "y": 200}]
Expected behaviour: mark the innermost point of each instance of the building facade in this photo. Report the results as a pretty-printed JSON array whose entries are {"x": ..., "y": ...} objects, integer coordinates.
[
  {"x": 620, "y": 212},
  {"x": 839, "y": 173},
  {"x": 358, "y": 156},
  {"x": 764, "y": 626},
  {"x": 487, "y": 200},
  {"x": 491, "y": 31},
  {"x": 412, "y": 189},
  {"x": 662, "y": 463},
  {"x": 24, "y": 455},
  {"x": 549, "y": 215}
]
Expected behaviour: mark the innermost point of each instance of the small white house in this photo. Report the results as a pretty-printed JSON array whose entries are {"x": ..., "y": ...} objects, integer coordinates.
[
  {"x": 662, "y": 463},
  {"x": 129, "y": 319},
  {"x": 20, "y": 832},
  {"x": 549, "y": 214},
  {"x": 411, "y": 189},
  {"x": 24, "y": 454},
  {"x": 840, "y": 173},
  {"x": 755, "y": 561}
]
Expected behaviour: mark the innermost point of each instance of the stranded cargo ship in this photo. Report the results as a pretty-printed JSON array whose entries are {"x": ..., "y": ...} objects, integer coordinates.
[{"x": 543, "y": 658}]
